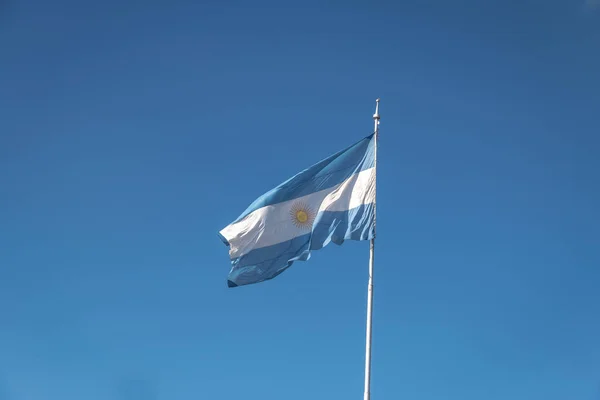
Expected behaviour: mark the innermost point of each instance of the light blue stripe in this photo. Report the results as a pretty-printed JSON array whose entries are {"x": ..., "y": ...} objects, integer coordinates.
[
  {"x": 325, "y": 174},
  {"x": 268, "y": 262}
]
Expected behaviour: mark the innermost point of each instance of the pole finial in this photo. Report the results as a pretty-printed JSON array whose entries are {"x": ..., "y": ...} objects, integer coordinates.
[{"x": 376, "y": 115}]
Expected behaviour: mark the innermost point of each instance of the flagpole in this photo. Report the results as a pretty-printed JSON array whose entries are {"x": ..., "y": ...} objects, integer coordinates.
[{"x": 370, "y": 286}]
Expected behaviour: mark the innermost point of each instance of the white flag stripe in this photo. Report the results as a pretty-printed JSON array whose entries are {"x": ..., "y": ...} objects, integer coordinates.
[{"x": 274, "y": 224}]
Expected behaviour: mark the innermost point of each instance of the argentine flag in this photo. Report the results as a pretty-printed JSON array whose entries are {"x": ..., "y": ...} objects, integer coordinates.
[{"x": 331, "y": 201}]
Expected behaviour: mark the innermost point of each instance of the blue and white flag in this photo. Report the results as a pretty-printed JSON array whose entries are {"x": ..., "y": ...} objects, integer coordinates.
[{"x": 332, "y": 201}]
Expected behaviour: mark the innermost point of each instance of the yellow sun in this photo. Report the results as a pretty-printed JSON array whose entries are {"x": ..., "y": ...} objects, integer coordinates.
[{"x": 302, "y": 216}]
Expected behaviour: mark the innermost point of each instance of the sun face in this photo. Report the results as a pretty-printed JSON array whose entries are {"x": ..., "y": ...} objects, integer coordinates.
[{"x": 302, "y": 216}]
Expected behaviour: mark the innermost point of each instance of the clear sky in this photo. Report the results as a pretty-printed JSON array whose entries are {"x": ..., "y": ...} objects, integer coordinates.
[{"x": 132, "y": 132}]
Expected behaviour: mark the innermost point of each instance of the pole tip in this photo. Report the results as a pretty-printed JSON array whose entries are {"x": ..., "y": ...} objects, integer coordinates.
[
  {"x": 377, "y": 100},
  {"x": 376, "y": 115}
]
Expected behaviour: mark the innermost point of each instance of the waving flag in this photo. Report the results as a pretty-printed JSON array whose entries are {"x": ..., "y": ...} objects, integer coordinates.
[{"x": 331, "y": 201}]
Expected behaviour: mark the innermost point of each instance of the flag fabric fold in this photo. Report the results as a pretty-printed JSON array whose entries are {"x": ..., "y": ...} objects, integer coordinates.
[{"x": 331, "y": 201}]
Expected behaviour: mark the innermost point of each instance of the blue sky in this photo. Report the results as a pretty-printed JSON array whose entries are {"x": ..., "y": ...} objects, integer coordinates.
[{"x": 131, "y": 133}]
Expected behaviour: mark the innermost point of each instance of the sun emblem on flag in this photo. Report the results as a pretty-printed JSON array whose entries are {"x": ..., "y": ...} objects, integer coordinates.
[{"x": 302, "y": 216}]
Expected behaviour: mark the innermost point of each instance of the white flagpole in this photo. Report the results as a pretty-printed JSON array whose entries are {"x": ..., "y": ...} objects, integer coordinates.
[{"x": 370, "y": 287}]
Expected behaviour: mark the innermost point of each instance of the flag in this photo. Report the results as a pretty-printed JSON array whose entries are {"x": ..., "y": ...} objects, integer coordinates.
[{"x": 331, "y": 201}]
